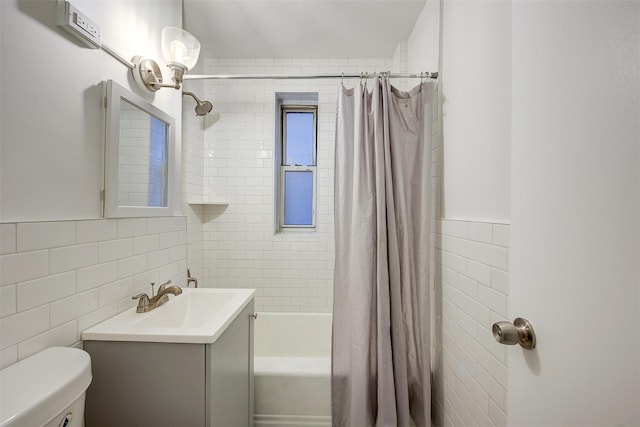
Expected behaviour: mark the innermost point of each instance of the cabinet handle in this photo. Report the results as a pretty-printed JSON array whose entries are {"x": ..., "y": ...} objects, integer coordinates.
[{"x": 254, "y": 316}]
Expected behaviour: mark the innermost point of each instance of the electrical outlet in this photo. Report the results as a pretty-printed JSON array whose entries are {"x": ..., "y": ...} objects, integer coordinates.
[{"x": 78, "y": 24}]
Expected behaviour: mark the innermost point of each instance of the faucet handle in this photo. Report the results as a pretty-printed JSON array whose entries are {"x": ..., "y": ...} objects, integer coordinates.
[
  {"x": 143, "y": 300},
  {"x": 142, "y": 297},
  {"x": 163, "y": 286}
]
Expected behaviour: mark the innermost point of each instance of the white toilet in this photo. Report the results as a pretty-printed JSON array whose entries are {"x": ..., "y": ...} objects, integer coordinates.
[{"x": 47, "y": 389}]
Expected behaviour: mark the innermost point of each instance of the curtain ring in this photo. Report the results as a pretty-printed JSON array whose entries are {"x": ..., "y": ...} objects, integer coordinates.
[{"x": 342, "y": 79}]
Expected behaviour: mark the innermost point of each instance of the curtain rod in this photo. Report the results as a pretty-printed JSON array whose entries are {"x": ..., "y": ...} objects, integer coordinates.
[{"x": 424, "y": 75}]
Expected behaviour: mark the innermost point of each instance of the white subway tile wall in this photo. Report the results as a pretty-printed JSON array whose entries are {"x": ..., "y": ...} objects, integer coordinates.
[
  {"x": 471, "y": 292},
  {"x": 59, "y": 278},
  {"x": 291, "y": 271},
  {"x": 192, "y": 180}
]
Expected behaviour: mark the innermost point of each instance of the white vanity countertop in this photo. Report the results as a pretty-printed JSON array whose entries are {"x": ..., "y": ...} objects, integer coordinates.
[{"x": 197, "y": 316}]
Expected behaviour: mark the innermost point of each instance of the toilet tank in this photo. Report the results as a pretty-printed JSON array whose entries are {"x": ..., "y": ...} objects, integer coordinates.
[{"x": 46, "y": 389}]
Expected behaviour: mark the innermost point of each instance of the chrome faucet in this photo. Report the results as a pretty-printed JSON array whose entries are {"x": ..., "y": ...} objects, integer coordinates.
[
  {"x": 146, "y": 304},
  {"x": 191, "y": 279}
]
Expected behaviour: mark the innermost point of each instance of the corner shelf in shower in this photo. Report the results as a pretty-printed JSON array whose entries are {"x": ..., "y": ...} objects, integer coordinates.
[{"x": 215, "y": 202}]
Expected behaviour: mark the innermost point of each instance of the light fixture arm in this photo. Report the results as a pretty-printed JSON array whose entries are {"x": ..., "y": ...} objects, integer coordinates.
[{"x": 161, "y": 85}]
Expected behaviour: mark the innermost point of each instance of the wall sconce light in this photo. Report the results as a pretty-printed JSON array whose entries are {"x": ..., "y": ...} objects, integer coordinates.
[{"x": 181, "y": 51}]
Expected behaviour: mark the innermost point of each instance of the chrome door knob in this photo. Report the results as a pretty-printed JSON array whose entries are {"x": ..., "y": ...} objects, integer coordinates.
[{"x": 518, "y": 332}]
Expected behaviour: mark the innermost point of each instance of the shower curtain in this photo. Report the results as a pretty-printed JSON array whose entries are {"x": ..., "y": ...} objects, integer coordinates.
[{"x": 380, "y": 354}]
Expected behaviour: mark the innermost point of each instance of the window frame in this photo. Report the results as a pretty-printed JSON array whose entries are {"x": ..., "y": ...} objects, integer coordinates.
[{"x": 283, "y": 168}]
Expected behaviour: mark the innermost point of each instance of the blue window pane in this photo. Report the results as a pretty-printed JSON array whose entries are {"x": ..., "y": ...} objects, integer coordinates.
[
  {"x": 299, "y": 139},
  {"x": 298, "y": 198},
  {"x": 158, "y": 163}
]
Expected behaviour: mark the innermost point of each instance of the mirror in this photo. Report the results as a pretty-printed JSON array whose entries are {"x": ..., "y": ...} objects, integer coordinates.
[{"x": 140, "y": 157}]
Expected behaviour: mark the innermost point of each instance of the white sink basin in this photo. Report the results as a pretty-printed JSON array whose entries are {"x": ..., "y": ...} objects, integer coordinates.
[{"x": 195, "y": 316}]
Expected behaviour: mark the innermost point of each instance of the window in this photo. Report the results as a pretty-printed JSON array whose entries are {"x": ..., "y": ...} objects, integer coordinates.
[{"x": 297, "y": 159}]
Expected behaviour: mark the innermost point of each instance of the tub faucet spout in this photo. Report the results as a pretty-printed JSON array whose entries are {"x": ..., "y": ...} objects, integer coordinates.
[{"x": 191, "y": 279}]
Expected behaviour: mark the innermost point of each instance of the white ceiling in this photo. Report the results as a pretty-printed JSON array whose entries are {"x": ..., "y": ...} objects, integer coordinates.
[{"x": 300, "y": 28}]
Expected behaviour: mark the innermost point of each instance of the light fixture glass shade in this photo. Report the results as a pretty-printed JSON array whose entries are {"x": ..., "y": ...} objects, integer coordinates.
[{"x": 180, "y": 47}]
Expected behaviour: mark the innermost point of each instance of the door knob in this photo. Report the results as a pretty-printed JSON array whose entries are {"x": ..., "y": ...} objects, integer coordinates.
[{"x": 518, "y": 332}]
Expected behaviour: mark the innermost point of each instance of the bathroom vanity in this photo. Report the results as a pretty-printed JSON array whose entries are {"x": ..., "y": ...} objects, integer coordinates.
[{"x": 187, "y": 363}]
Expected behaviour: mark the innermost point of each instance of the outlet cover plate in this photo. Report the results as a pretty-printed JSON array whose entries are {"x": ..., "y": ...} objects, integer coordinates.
[{"x": 78, "y": 24}]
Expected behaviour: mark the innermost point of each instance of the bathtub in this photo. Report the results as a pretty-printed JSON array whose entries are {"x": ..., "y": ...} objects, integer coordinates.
[{"x": 292, "y": 369}]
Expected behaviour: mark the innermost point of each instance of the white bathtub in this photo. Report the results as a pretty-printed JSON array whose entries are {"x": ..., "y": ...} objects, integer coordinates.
[{"x": 292, "y": 368}]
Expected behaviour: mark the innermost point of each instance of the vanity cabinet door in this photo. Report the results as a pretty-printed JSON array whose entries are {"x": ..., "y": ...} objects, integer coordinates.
[
  {"x": 145, "y": 384},
  {"x": 230, "y": 374}
]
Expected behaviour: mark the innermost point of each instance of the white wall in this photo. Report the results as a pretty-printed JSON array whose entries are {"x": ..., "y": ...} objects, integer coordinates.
[
  {"x": 52, "y": 133},
  {"x": 60, "y": 277},
  {"x": 423, "y": 42},
  {"x": 476, "y": 86},
  {"x": 470, "y": 269}
]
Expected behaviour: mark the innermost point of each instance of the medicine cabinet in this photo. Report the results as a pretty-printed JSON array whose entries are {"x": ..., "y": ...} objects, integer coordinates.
[{"x": 141, "y": 173}]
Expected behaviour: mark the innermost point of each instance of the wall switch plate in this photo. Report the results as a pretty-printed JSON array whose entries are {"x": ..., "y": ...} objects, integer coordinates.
[{"x": 78, "y": 24}]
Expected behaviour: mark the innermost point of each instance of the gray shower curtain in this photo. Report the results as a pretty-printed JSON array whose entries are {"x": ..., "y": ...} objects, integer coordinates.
[{"x": 380, "y": 354}]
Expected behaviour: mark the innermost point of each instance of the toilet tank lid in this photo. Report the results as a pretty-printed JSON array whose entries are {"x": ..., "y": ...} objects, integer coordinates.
[{"x": 38, "y": 388}]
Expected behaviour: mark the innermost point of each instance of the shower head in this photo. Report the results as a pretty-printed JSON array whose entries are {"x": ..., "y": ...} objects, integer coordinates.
[{"x": 202, "y": 107}]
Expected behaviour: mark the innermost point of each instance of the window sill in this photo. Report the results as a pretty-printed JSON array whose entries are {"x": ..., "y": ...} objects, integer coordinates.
[{"x": 293, "y": 232}]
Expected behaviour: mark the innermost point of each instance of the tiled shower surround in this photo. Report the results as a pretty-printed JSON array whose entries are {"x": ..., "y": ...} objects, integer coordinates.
[
  {"x": 59, "y": 278},
  {"x": 291, "y": 271},
  {"x": 471, "y": 281}
]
